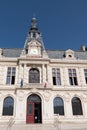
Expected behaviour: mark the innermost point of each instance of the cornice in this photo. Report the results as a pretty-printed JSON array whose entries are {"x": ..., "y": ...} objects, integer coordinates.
[{"x": 68, "y": 61}]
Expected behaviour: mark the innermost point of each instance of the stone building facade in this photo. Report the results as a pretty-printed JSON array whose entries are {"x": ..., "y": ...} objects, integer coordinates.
[{"x": 43, "y": 87}]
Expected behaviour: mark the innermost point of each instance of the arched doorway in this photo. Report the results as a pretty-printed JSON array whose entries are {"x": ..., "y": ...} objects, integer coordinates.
[{"x": 34, "y": 114}]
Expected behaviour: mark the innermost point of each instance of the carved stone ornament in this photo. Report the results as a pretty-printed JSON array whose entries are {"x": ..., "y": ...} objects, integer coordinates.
[
  {"x": 21, "y": 95},
  {"x": 1, "y": 96},
  {"x": 84, "y": 97},
  {"x": 47, "y": 95},
  {"x": 67, "y": 97},
  {"x": 34, "y": 90}
]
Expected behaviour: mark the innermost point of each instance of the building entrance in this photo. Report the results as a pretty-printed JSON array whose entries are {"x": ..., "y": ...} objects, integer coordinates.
[{"x": 34, "y": 114}]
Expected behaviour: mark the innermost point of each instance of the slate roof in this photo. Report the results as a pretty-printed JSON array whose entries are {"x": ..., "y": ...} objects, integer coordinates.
[
  {"x": 11, "y": 52},
  {"x": 53, "y": 54}
]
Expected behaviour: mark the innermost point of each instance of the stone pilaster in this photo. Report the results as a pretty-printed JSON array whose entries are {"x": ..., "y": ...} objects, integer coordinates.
[
  {"x": 25, "y": 74},
  {"x": 81, "y": 77},
  {"x": 43, "y": 73},
  {"x": 19, "y": 73},
  {"x": 65, "y": 77}
]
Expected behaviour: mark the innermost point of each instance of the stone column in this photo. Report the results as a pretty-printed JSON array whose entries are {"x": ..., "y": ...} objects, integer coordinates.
[
  {"x": 25, "y": 76},
  {"x": 19, "y": 73},
  {"x": 48, "y": 75},
  {"x": 62, "y": 76}
]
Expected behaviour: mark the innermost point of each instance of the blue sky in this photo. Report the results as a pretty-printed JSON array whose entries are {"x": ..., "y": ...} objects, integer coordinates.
[{"x": 63, "y": 23}]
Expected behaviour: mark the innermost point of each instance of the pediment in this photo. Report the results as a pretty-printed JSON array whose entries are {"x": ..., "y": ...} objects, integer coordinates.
[{"x": 34, "y": 43}]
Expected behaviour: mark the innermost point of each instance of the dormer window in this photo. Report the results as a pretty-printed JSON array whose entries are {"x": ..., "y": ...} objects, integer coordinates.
[{"x": 69, "y": 54}]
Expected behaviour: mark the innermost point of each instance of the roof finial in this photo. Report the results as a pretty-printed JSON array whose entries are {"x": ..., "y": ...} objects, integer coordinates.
[{"x": 34, "y": 22}]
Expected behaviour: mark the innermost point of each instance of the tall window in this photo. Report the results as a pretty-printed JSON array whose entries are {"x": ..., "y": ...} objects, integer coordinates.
[
  {"x": 11, "y": 72},
  {"x": 56, "y": 76},
  {"x": 58, "y": 106},
  {"x": 85, "y": 73},
  {"x": 76, "y": 106},
  {"x": 34, "y": 76},
  {"x": 72, "y": 77},
  {"x": 8, "y": 106}
]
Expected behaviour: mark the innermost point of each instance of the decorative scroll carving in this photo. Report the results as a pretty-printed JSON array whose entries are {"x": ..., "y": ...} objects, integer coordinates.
[
  {"x": 21, "y": 95},
  {"x": 34, "y": 90},
  {"x": 67, "y": 97},
  {"x": 47, "y": 95},
  {"x": 1, "y": 96},
  {"x": 85, "y": 97}
]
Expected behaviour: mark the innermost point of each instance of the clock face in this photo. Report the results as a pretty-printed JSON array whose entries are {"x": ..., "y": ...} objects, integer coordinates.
[{"x": 34, "y": 51}]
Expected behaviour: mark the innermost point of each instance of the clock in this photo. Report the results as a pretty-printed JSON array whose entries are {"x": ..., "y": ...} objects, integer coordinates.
[{"x": 34, "y": 51}]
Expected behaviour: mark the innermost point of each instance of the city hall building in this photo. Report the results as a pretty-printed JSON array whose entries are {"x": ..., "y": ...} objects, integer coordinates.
[{"x": 43, "y": 89}]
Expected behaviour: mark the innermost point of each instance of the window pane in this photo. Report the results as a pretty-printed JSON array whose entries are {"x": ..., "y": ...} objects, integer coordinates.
[
  {"x": 58, "y": 81},
  {"x": 30, "y": 109},
  {"x": 8, "y": 80},
  {"x": 76, "y": 106},
  {"x": 9, "y": 71},
  {"x": 72, "y": 77},
  {"x": 58, "y": 106},
  {"x": 85, "y": 73},
  {"x": 56, "y": 76},
  {"x": 86, "y": 80},
  {"x": 85, "y": 70},
  {"x": 73, "y": 70},
  {"x": 13, "y": 71},
  {"x": 75, "y": 81},
  {"x": 8, "y": 106},
  {"x": 70, "y": 71},
  {"x": 13, "y": 80},
  {"x": 54, "y": 80},
  {"x": 71, "y": 80},
  {"x": 34, "y": 98},
  {"x": 34, "y": 76},
  {"x": 70, "y": 74},
  {"x": 11, "y": 75}
]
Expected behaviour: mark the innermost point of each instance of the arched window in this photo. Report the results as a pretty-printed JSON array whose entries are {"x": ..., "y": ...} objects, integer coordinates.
[
  {"x": 8, "y": 106},
  {"x": 33, "y": 98},
  {"x": 58, "y": 106},
  {"x": 34, "y": 76},
  {"x": 76, "y": 106}
]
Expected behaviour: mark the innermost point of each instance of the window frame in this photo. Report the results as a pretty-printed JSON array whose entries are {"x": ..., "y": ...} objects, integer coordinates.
[
  {"x": 85, "y": 74},
  {"x": 73, "y": 81},
  {"x": 6, "y": 111},
  {"x": 77, "y": 109},
  {"x": 59, "y": 103},
  {"x": 35, "y": 76},
  {"x": 11, "y": 76},
  {"x": 56, "y": 76}
]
